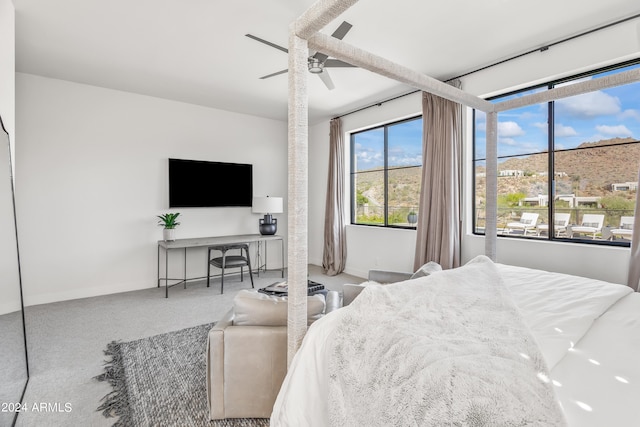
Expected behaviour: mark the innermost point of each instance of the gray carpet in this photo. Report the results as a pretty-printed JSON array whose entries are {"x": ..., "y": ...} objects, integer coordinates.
[
  {"x": 161, "y": 381},
  {"x": 67, "y": 339},
  {"x": 13, "y": 369}
]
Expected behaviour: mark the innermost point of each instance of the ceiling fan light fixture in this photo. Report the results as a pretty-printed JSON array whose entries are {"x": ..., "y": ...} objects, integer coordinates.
[{"x": 315, "y": 66}]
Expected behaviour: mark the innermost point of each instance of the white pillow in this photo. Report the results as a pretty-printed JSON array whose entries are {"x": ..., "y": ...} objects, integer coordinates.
[
  {"x": 252, "y": 308},
  {"x": 427, "y": 269}
]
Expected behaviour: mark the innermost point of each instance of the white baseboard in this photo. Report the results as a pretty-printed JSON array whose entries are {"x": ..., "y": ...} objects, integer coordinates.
[{"x": 357, "y": 272}]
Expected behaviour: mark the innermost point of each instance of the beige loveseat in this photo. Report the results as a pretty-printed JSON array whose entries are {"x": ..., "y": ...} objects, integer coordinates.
[
  {"x": 247, "y": 353},
  {"x": 384, "y": 277}
]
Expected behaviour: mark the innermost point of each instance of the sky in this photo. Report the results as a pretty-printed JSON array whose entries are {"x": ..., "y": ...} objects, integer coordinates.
[
  {"x": 405, "y": 145},
  {"x": 590, "y": 117}
]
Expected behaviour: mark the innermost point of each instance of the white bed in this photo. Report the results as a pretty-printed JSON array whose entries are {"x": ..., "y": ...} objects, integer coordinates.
[{"x": 588, "y": 332}]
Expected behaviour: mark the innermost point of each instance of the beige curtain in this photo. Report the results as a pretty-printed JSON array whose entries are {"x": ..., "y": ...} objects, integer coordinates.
[
  {"x": 438, "y": 232},
  {"x": 634, "y": 261},
  {"x": 334, "y": 256}
]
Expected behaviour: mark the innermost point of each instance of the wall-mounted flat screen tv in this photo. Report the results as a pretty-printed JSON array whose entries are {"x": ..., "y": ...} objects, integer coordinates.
[{"x": 196, "y": 183}]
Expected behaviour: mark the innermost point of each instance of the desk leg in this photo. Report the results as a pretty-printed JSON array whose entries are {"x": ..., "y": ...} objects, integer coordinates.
[
  {"x": 185, "y": 268},
  {"x": 158, "y": 265},
  {"x": 265, "y": 255},
  {"x": 258, "y": 257},
  {"x": 282, "y": 246},
  {"x": 166, "y": 273}
]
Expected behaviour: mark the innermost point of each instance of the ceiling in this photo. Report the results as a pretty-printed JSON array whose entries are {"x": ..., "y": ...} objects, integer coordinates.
[{"x": 195, "y": 51}]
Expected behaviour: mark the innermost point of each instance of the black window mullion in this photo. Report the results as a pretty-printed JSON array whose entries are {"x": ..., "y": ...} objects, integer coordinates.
[
  {"x": 551, "y": 175},
  {"x": 386, "y": 176},
  {"x": 354, "y": 199}
]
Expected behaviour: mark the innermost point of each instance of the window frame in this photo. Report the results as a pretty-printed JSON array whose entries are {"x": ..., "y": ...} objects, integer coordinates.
[
  {"x": 551, "y": 150},
  {"x": 385, "y": 169}
]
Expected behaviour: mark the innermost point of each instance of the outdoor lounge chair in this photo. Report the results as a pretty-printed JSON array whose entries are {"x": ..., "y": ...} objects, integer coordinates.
[
  {"x": 625, "y": 230},
  {"x": 527, "y": 223},
  {"x": 591, "y": 224},
  {"x": 560, "y": 223}
]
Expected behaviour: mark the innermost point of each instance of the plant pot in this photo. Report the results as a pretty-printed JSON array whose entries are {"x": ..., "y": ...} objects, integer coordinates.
[
  {"x": 412, "y": 218},
  {"x": 169, "y": 234}
]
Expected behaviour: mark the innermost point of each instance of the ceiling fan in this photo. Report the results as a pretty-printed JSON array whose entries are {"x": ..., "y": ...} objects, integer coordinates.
[{"x": 316, "y": 62}]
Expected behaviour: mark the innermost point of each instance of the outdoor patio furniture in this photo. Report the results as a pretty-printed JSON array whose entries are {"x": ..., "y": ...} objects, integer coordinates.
[
  {"x": 560, "y": 223},
  {"x": 625, "y": 230},
  {"x": 527, "y": 223},
  {"x": 591, "y": 224}
]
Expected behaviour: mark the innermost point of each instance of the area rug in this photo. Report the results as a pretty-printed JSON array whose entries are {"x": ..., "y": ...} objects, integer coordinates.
[{"x": 161, "y": 381}]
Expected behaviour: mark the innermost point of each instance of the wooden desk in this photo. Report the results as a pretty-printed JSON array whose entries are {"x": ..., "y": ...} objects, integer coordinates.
[{"x": 200, "y": 242}]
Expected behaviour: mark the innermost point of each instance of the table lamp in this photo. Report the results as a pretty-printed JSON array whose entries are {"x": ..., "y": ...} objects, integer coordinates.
[{"x": 267, "y": 206}]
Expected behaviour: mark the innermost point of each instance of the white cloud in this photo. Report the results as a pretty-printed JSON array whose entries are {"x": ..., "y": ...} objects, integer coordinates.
[
  {"x": 369, "y": 156},
  {"x": 507, "y": 141},
  {"x": 630, "y": 114},
  {"x": 405, "y": 160},
  {"x": 620, "y": 131},
  {"x": 509, "y": 129},
  {"x": 589, "y": 105},
  {"x": 561, "y": 130},
  {"x": 542, "y": 126}
]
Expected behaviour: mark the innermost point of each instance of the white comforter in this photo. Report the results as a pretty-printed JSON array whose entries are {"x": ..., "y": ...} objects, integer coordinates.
[{"x": 588, "y": 332}]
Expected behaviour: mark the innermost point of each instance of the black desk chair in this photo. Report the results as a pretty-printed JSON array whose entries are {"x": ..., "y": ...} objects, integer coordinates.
[{"x": 229, "y": 261}]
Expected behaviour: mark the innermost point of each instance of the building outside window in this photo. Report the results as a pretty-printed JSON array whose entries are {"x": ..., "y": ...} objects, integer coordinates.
[
  {"x": 582, "y": 150},
  {"x": 386, "y": 168}
]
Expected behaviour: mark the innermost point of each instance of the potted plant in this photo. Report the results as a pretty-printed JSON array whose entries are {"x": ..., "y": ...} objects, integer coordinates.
[
  {"x": 169, "y": 222},
  {"x": 412, "y": 218}
]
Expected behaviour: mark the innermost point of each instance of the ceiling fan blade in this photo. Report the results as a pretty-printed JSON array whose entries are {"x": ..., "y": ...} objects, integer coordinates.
[
  {"x": 342, "y": 30},
  {"x": 274, "y": 74},
  {"x": 320, "y": 56},
  {"x": 336, "y": 63},
  {"x": 326, "y": 79},
  {"x": 251, "y": 36}
]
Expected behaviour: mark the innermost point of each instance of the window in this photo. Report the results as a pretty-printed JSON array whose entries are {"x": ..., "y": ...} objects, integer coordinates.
[
  {"x": 573, "y": 162},
  {"x": 386, "y": 169}
]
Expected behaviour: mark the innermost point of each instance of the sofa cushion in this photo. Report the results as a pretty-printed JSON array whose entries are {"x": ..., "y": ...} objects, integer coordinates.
[
  {"x": 427, "y": 269},
  {"x": 252, "y": 308}
]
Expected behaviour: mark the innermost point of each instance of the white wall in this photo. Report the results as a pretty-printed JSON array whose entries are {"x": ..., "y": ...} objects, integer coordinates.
[
  {"x": 92, "y": 176},
  {"x": 7, "y": 65},
  {"x": 393, "y": 249},
  {"x": 9, "y": 280}
]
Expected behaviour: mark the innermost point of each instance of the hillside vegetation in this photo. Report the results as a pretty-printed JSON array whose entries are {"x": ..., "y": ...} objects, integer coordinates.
[
  {"x": 587, "y": 171},
  {"x": 582, "y": 172}
]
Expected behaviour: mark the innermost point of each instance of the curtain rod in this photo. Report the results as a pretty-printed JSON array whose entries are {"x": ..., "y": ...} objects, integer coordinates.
[{"x": 539, "y": 49}]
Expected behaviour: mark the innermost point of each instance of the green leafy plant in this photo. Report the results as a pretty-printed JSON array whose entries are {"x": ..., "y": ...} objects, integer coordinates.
[{"x": 169, "y": 220}]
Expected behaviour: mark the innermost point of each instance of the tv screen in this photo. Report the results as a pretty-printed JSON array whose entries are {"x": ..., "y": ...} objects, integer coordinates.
[{"x": 195, "y": 183}]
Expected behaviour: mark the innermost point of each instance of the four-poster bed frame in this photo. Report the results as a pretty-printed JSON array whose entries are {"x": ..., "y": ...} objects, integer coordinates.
[{"x": 304, "y": 35}]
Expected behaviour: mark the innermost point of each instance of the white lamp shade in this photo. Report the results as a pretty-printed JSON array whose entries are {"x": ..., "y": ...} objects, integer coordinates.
[{"x": 267, "y": 205}]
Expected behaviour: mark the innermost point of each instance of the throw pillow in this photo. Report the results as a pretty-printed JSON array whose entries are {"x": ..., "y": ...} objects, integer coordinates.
[
  {"x": 427, "y": 269},
  {"x": 590, "y": 224},
  {"x": 559, "y": 222},
  {"x": 627, "y": 226},
  {"x": 252, "y": 308},
  {"x": 526, "y": 221}
]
